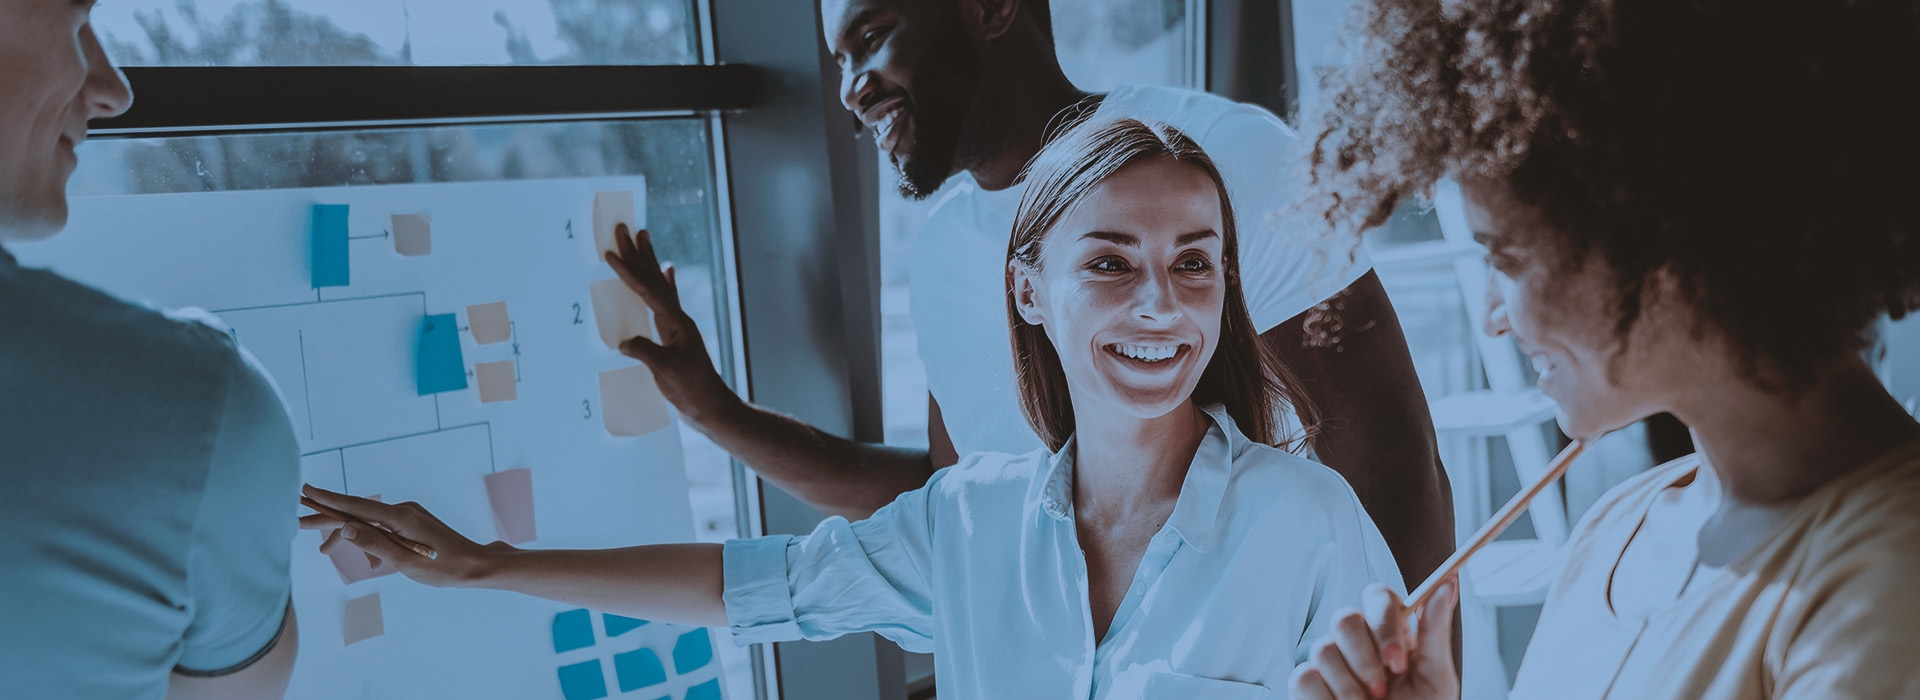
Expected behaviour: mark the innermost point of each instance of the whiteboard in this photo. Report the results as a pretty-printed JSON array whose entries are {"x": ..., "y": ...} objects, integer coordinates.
[{"x": 345, "y": 361}]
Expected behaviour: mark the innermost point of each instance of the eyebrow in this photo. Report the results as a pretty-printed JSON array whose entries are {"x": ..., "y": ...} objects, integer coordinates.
[
  {"x": 859, "y": 21},
  {"x": 1130, "y": 240},
  {"x": 1196, "y": 236}
]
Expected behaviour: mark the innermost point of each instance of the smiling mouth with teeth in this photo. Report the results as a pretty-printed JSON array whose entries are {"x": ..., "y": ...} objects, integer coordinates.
[{"x": 1145, "y": 353}]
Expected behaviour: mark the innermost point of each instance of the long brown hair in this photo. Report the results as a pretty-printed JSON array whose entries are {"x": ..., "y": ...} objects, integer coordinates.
[{"x": 1242, "y": 374}]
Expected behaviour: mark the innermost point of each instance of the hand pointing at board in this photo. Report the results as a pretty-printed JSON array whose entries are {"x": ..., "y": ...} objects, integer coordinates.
[{"x": 456, "y": 560}]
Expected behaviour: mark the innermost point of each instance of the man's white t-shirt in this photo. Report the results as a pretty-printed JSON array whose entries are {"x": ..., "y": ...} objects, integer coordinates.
[{"x": 959, "y": 260}]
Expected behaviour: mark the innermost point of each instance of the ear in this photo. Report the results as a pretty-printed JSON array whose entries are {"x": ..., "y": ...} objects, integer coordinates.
[
  {"x": 1026, "y": 294},
  {"x": 994, "y": 17}
]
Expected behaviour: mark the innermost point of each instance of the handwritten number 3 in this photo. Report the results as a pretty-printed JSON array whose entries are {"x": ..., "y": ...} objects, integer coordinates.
[{"x": 586, "y": 406}]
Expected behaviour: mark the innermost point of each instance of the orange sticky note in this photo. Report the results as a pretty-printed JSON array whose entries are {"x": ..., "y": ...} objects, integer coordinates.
[
  {"x": 511, "y": 493},
  {"x": 496, "y": 381},
  {"x": 363, "y": 619},
  {"x": 489, "y": 322},
  {"x": 630, "y": 403},
  {"x": 611, "y": 209},
  {"x": 619, "y": 313},
  {"x": 412, "y": 234}
]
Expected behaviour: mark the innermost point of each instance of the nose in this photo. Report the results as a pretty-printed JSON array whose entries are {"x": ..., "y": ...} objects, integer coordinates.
[
  {"x": 1154, "y": 300},
  {"x": 107, "y": 91},
  {"x": 1495, "y": 322},
  {"x": 856, "y": 88}
]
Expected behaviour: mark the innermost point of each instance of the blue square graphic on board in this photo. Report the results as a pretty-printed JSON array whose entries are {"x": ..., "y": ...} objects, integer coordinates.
[
  {"x": 572, "y": 630},
  {"x": 438, "y": 366},
  {"x": 583, "y": 681},
  {"x": 638, "y": 669},
  {"x": 709, "y": 690},
  {"x": 692, "y": 651},
  {"x": 618, "y": 625},
  {"x": 329, "y": 245}
]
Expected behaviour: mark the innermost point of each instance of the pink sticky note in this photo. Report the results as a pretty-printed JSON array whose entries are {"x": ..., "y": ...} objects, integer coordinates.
[
  {"x": 412, "y": 234},
  {"x": 619, "y": 313},
  {"x": 610, "y": 209},
  {"x": 496, "y": 381},
  {"x": 363, "y": 619},
  {"x": 352, "y": 562},
  {"x": 630, "y": 403},
  {"x": 511, "y": 492}
]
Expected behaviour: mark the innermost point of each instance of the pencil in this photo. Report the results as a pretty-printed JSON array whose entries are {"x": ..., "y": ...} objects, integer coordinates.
[
  {"x": 1508, "y": 513},
  {"x": 417, "y": 548}
]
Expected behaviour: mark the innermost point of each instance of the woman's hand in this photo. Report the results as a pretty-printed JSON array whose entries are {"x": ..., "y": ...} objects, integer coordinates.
[
  {"x": 458, "y": 561},
  {"x": 1375, "y": 655}
]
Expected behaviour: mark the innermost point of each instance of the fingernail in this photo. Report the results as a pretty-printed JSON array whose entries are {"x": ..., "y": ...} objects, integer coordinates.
[
  {"x": 1396, "y": 658},
  {"x": 1378, "y": 689},
  {"x": 352, "y": 532}
]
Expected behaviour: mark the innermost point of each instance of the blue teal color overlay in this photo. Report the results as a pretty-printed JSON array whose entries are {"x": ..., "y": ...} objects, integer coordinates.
[
  {"x": 438, "y": 367},
  {"x": 572, "y": 630},
  {"x": 329, "y": 245},
  {"x": 583, "y": 681},
  {"x": 618, "y": 625},
  {"x": 638, "y": 669},
  {"x": 709, "y": 690},
  {"x": 692, "y": 651}
]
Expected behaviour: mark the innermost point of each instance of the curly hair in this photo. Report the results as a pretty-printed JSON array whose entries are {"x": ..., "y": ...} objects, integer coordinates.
[{"x": 1763, "y": 154}]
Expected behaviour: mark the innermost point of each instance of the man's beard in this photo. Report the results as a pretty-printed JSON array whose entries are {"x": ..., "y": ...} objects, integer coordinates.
[{"x": 945, "y": 110}]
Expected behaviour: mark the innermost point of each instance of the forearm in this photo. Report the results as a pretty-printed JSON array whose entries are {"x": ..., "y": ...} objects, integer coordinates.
[
  {"x": 676, "y": 583},
  {"x": 836, "y": 475}
]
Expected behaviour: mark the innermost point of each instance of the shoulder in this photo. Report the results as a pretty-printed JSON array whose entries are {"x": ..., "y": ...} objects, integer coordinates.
[
  {"x": 988, "y": 472},
  {"x": 1875, "y": 518},
  {"x": 1221, "y": 126},
  {"x": 77, "y": 330},
  {"x": 1279, "y": 484},
  {"x": 1628, "y": 500}
]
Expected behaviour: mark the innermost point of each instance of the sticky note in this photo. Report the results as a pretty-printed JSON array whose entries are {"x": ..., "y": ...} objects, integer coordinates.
[
  {"x": 583, "y": 681},
  {"x": 489, "y": 322},
  {"x": 618, "y": 625},
  {"x": 352, "y": 562},
  {"x": 619, "y": 312},
  {"x": 511, "y": 493},
  {"x": 438, "y": 366},
  {"x": 412, "y": 234},
  {"x": 329, "y": 245},
  {"x": 363, "y": 619},
  {"x": 693, "y": 651},
  {"x": 496, "y": 381},
  {"x": 638, "y": 669},
  {"x": 630, "y": 403},
  {"x": 709, "y": 690},
  {"x": 609, "y": 210},
  {"x": 572, "y": 630}
]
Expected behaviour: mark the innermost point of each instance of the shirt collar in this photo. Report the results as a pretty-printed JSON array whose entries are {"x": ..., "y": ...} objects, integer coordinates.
[{"x": 1198, "y": 509}]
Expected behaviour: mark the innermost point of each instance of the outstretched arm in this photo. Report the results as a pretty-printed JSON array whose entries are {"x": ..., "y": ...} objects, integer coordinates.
[
  {"x": 836, "y": 475},
  {"x": 1352, "y": 359},
  {"x": 677, "y": 583}
]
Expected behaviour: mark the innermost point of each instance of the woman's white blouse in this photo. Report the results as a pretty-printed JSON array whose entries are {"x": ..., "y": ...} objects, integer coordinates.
[{"x": 982, "y": 567}]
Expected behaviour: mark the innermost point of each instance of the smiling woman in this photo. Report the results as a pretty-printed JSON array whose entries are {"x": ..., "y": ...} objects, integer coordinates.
[{"x": 57, "y": 78}]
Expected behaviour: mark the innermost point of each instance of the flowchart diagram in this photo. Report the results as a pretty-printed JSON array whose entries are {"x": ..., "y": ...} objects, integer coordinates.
[{"x": 454, "y": 345}]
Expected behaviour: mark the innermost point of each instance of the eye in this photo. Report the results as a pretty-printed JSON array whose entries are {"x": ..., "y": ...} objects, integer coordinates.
[
  {"x": 874, "y": 36},
  {"x": 1109, "y": 264},
  {"x": 1194, "y": 263}
]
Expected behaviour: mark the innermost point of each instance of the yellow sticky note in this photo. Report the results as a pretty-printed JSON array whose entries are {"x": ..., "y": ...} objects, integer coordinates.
[
  {"x": 609, "y": 210},
  {"x": 630, "y": 403},
  {"x": 363, "y": 619},
  {"x": 496, "y": 381},
  {"x": 619, "y": 312},
  {"x": 412, "y": 234},
  {"x": 489, "y": 322}
]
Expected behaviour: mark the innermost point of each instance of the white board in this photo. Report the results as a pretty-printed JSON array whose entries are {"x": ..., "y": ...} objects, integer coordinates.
[{"x": 344, "y": 360}]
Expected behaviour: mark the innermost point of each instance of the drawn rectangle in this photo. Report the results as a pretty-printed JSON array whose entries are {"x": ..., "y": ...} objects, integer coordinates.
[{"x": 443, "y": 471}]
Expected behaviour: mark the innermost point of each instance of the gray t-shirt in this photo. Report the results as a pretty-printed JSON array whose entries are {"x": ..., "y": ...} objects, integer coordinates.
[{"x": 148, "y": 475}]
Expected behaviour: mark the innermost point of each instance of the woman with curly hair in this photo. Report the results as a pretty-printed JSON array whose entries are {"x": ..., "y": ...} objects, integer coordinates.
[{"x": 1690, "y": 207}]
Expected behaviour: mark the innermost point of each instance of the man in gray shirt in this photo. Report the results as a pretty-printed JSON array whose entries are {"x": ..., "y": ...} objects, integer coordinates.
[{"x": 147, "y": 466}]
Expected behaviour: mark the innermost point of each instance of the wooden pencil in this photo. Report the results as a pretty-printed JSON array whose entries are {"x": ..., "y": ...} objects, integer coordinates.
[{"x": 1501, "y": 520}]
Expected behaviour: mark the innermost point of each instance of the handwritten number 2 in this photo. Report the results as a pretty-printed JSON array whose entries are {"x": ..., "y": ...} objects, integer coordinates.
[{"x": 576, "y": 315}]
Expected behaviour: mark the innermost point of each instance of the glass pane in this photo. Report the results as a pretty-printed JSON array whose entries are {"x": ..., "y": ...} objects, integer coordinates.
[
  {"x": 403, "y": 32},
  {"x": 1102, "y": 44},
  {"x": 674, "y": 155}
]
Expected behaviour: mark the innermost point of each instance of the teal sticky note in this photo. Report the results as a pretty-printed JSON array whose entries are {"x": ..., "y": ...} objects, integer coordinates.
[
  {"x": 583, "y": 681},
  {"x": 329, "y": 245},
  {"x": 692, "y": 651},
  {"x": 438, "y": 366},
  {"x": 709, "y": 690},
  {"x": 572, "y": 630},
  {"x": 638, "y": 669},
  {"x": 618, "y": 625}
]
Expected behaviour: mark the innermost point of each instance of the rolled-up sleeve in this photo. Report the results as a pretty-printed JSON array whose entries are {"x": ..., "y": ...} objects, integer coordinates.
[{"x": 867, "y": 576}]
